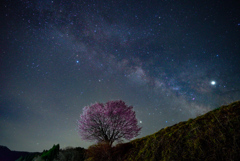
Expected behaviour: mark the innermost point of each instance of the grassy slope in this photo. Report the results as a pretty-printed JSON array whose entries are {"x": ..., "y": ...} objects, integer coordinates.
[{"x": 213, "y": 136}]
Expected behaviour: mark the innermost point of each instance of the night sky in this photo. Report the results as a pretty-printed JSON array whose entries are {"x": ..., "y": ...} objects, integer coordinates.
[{"x": 170, "y": 59}]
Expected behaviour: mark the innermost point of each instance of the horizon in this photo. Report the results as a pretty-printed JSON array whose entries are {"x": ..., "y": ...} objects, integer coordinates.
[{"x": 62, "y": 148}]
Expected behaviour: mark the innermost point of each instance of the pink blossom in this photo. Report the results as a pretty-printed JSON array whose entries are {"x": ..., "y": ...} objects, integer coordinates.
[{"x": 108, "y": 122}]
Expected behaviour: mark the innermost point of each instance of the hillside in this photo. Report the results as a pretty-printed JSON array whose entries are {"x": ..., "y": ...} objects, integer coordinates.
[{"x": 213, "y": 136}]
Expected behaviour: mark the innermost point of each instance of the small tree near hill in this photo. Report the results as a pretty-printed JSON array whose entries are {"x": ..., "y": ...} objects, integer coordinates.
[
  {"x": 51, "y": 154},
  {"x": 109, "y": 122}
]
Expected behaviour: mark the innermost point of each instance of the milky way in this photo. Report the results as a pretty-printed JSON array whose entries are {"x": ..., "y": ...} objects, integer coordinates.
[{"x": 170, "y": 60}]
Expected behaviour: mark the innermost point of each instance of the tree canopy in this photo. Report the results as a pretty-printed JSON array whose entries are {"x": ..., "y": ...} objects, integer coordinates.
[{"x": 108, "y": 122}]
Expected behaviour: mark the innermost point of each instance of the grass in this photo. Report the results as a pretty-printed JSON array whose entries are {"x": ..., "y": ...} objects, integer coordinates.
[{"x": 213, "y": 136}]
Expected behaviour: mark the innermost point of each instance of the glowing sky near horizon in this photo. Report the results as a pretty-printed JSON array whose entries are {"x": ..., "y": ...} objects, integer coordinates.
[{"x": 170, "y": 60}]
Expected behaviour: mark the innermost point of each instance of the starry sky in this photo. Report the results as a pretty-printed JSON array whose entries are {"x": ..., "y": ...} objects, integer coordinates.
[{"x": 170, "y": 59}]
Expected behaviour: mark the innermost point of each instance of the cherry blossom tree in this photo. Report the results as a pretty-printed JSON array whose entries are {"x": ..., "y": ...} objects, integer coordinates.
[{"x": 108, "y": 122}]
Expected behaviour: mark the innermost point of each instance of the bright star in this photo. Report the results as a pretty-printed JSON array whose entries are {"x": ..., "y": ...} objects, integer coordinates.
[{"x": 213, "y": 82}]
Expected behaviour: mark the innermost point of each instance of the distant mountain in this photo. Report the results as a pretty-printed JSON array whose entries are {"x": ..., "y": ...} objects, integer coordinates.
[
  {"x": 57, "y": 154},
  {"x": 8, "y": 155},
  {"x": 53, "y": 154}
]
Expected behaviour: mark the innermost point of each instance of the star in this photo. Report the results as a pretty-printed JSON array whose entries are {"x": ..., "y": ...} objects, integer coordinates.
[
  {"x": 213, "y": 83},
  {"x": 63, "y": 57}
]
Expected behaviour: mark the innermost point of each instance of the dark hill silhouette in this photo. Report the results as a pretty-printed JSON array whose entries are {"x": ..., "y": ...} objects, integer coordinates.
[{"x": 8, "y": 155}]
